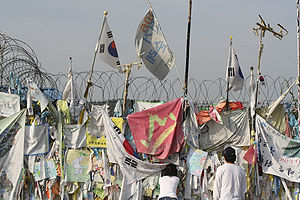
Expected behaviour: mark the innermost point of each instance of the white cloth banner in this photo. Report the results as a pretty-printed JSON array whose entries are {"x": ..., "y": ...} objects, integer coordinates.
[
  {"x": 143, "y": 105},
  {"x": 131, "y": 167},
  {"x": 151, "y": 44},
  {"x": 36, "y": 139},
  {"x": 37, "y": 94},
  {"x": 95, "y": 125},
  {"x": 74, "y": 135},
  {"x": 70, "y": 94},
  {"x": 9, "y": 104},
  {"x": 279, "y": 155},
  {"x": 12, "y": 148},
  {"x": 235, "y": 131}
]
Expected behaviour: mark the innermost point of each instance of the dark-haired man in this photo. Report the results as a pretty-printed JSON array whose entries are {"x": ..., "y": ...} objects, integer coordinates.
[{"x": 230, "y": 179}]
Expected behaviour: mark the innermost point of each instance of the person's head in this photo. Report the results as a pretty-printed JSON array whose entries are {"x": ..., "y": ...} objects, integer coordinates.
[
  {"x": 170, "y": 170},
  {"x": 229, "y": 154}
]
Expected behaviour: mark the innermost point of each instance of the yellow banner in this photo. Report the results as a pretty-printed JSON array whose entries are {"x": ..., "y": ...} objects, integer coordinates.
[{"x": 101, "y": 142}]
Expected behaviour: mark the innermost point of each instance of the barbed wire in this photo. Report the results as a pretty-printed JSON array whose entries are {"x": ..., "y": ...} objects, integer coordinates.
[
  {"x": 18, "y": 57},
  {"x": 110, "y": 85}
]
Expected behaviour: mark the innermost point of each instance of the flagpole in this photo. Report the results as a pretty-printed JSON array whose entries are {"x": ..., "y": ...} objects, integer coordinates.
[
  {"x": 229, "y": 64},
  {"x": 298, "y": 62},
  {"x": 89, "y": 82},
  {"x": 262, "y": 27},
  {"x": 128, "y": 72},
  {"x": 187, "y": 49}
]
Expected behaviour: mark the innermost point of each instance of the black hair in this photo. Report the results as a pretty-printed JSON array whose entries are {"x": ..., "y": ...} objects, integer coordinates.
[
  {"x": 170, "y": 170},
  {"x": 231, "y": 159},
  {"x": 229, "y": 154}
]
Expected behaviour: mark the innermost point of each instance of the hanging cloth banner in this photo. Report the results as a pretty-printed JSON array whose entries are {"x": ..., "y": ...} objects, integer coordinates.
[
  {"x": 234, "y": 131},
  {"x": 74, "y": 135},
  {"x": 131, "y": 167},
  {"x": 143, "y": 105},
  {"x": 9, "y": 104},
  {"x": 151, "y": 44},
  {"x": 214, "y": 114},
  {"x": 36, "y": 139},
  {"x": 279, "y": 155},
  {"x": 77, "y": 164},
  {"x": 37, "y": 94},
  {"x": 196, "y": 160},
  {"x": 12, "y": 148},
  {"x": 157, "y": 131}
]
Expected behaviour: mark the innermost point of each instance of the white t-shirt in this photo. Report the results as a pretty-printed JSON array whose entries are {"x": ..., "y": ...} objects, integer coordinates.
[
  {"x": 168, "y": 186},
  {"x": 230, "y": 183}
]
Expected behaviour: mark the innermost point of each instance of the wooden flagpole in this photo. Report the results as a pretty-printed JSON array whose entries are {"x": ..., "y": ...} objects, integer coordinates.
[
  {"x": 89, "y": 82},
  {"x": 186, "y": 76},
  {"x": 298, "y": 63},
  {"x": 262, "y": 28},
  {"x": 128, "y": 72}
]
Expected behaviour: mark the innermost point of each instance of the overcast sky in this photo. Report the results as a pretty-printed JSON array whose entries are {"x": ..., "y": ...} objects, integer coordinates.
[{"x": 58, "y": 29}]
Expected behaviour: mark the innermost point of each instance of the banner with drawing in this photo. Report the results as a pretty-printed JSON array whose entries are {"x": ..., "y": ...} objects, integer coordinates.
[
  {"x": 278, "y": 154},
  {"x": 196, "y": 160},
  {"x": 77, "y": 165},
  {"x": 9, "y": 104}
]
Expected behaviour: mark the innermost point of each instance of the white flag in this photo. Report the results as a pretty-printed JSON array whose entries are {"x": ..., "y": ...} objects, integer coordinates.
[
  {"x": 106, "y": 46},
  {"x": 234, "y": 73},
  {"x": 37, "y": 94},
  {"x": 69, "y": 86},
  {"x": 70, "y": 94},
  {"x": 152, "y": 46}
]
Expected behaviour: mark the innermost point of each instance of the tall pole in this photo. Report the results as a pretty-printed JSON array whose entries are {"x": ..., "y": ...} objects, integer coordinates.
[
  {"x": 187, "y": 49},
  {"x": 128, "y": 71},
  {"x": 229, "y": 65},
  {"x": 262, "y": 28},
  {"x": 89, "y": 82},
  {"x": 298, "y": 62}
]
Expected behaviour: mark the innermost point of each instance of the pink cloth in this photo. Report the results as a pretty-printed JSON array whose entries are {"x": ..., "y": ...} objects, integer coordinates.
[{"x": 157, "y": 131}]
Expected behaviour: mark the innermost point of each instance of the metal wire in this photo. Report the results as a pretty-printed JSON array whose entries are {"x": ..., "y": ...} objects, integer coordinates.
[{"x": 18, "y": 57}]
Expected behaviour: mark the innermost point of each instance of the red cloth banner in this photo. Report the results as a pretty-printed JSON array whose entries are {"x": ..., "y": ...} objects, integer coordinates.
[{"x": 157, "y": 131}]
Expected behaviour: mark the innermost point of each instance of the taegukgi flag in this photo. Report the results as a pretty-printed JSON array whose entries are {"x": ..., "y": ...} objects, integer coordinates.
[
  {"x": 106, "y": 46},
  {"x": 152, "y": 46},
  {"x": 234, "y": 74},
  {"x": 157, "y": 131}
]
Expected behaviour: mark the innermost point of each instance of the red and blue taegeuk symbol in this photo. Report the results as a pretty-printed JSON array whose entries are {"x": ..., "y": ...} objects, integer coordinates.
[{"x": 112, "y": 50}]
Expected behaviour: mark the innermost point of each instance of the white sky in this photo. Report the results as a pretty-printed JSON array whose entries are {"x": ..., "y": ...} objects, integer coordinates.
[{"x": 57, "y": 30}]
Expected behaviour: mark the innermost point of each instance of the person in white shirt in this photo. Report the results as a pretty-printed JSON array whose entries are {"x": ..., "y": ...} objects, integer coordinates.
[
  {"x": 230, "y": 179},
  {"x": 168, "y": 183}
]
